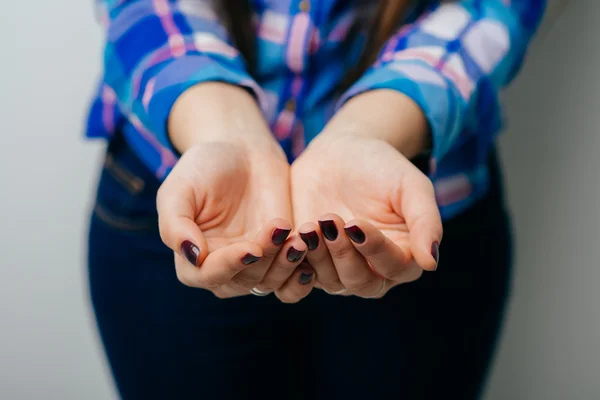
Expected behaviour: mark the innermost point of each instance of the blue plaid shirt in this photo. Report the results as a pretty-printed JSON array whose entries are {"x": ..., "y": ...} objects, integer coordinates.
[{"x": 451, "y": 58}]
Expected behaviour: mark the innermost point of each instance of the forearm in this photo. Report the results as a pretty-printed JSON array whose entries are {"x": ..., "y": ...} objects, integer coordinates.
[
  {"x": 383, "y": 114},
  {"x": 158, "y": 53},
  {"x": 216, "y": 111},
  {"x": 453, "y": 70}
]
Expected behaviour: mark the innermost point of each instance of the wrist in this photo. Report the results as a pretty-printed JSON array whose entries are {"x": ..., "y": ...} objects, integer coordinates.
[
  {"x": 218, "y": 112},
  {"x": 384, "y": 115}
]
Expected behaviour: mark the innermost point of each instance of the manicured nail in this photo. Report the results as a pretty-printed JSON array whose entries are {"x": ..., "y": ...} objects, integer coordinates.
[
  {"x": 279, "y": 236},
  {"x": 249, "y": 259},
  {"x": 190, "y": 251},
  {"x": 329, "y": 230},
  {"x": 355, "y": 234},
  {"x": 311, "y": 239},
  {"x": 294, "y": 255},
  {"x": 306, "y": 277},
  {"x": 435, "y": 252}
]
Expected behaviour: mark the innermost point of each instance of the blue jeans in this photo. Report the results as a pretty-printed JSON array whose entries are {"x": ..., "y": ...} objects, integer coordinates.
[{"x": 430, "y": 339}]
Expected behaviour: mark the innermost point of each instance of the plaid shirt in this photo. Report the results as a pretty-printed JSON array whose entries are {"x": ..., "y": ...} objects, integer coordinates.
[{"x": 451, "y": 58}]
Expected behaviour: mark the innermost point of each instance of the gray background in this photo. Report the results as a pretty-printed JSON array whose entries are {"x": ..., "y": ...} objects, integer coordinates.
[{"x": 48, "y": 346}]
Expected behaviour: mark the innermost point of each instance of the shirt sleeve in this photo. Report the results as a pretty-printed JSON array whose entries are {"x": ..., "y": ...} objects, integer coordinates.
[
  {"x": 453, "y": 61},
  {"x": 155, "y": 50}
]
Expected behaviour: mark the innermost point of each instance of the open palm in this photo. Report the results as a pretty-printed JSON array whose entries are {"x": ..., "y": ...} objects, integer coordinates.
[
  {"x": 236, "y": 193},
  {"x": 227, "y": 210},
  {"x": 385, "y": 203}
]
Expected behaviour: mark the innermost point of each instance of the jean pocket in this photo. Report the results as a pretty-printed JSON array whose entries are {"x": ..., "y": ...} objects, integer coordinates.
[
  {"x": 127, "y": 179},
  {"x": 126, "y": 196}
]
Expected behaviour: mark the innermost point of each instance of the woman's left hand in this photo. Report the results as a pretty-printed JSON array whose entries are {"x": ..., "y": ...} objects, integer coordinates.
[{"x": 378, "y": 221}]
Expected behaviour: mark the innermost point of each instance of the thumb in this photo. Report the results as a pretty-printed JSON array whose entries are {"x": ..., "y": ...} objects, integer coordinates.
[
  {"x": 176, "y": 204},
  {"x": 415, "y": 202}
]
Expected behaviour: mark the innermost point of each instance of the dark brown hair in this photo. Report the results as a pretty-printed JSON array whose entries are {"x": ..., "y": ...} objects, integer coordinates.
[{"x": 237, "y": 15}]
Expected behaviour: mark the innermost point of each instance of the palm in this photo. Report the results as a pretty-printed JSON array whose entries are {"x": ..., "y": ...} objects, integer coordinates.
[
  {"x": 236, "y": 193},
  {"x": 359, "y": 178}
]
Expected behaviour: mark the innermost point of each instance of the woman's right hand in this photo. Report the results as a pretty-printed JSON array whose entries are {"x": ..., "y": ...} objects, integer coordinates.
[{"x": 225, "y": 207}]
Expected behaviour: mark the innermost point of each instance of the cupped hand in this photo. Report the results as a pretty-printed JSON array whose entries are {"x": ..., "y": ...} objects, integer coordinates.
[
  {"x": 225, "y": 212},
  {"x": 378, "y": 222},
  {"x": 225, "y": 208}
]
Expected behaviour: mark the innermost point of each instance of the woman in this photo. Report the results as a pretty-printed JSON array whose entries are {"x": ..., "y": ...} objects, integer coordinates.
[{"x": 209, "y": 108}]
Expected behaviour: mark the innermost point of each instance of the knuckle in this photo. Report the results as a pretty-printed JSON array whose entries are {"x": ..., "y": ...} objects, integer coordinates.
[
  {"x": 209, "y": 282},
  {"x": 362, "y": 287},
  {"x": 374, "y": 247},
  {"x": 247, "y": 280},
  {"x": 319, "y": 257},
  {"x": 412, "y": 275},
  {"x": 245, "y": 283},
  {"x": 234, "y": 268},
  {"x": 268, "y": 286},
  {"x": 396, "y": 272},
  {"x": 220, "y": 294},
  {"x": 288, "y": 298},
  {"x": 236, "y": 287},
  {"x": 284, "y": 266},
  {"x": 270, "y": 251},
  {"x": 342, "y": 251},
  {"x": 332, "y": 286}
]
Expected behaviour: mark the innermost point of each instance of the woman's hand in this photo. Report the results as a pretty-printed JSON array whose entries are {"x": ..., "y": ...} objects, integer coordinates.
[
  {"x": 378, "y": 221},
  {"x": 225, "y": 208}
]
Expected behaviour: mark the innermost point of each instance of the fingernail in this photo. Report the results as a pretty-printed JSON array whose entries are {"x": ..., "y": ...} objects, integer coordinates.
[
  {"x": 355, "y": 234},
  {"x": 311, "y": 239},
  {"x": 329, "y": 230},
  {"x": 249, "y": 259},
  {"x": 306, "y": 277},
  {"x": 294, "y": 255},
  {"x": 435, "y": 252},
  {"x": 279, "y": 236},
  {"x": 190, "y": 251}
]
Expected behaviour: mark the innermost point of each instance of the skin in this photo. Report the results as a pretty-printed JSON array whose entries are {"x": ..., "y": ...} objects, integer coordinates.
[
  {"x": 357, "y": 173},
  {"x": 233, "y": 187},
  {"x": 227, "y": 194}
]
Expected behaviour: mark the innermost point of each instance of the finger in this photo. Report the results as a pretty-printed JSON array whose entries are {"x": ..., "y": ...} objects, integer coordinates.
[
  {"x": 415, "y": 201},
  {"x": 298, "y": 285},
  {"x": 177, "y": 211},
  {"x": 352, "y": 268},
  {"x": 220, "y": 266},
  {"x": 271, "y": 238},
  {"x": 384, "y": 256},
  {"x": 284, "y": 265},
  {"x": 319, "y": 259},
  {"x": 412, "y": 273}
]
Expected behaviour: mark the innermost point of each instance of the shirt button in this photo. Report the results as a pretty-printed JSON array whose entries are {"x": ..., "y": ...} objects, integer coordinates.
[
  {"x": 290, "y": 105},
  {"x": 305, "y": 6}
]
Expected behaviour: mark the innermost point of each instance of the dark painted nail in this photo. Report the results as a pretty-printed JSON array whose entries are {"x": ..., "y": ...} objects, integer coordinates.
[
  {"x": 329, "y": 230},
  {"x": 294, "y": 255},
  {"x": 311, "y": 239},
  {"x": 356, "y": 234},
  {"x": 435, "y": 252},
  {"x": 190, "y": 251},
  {"x": 279, "y": 236},
  {"x": 306, "y": 277},
  {"x": 249, "y": 259}
]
